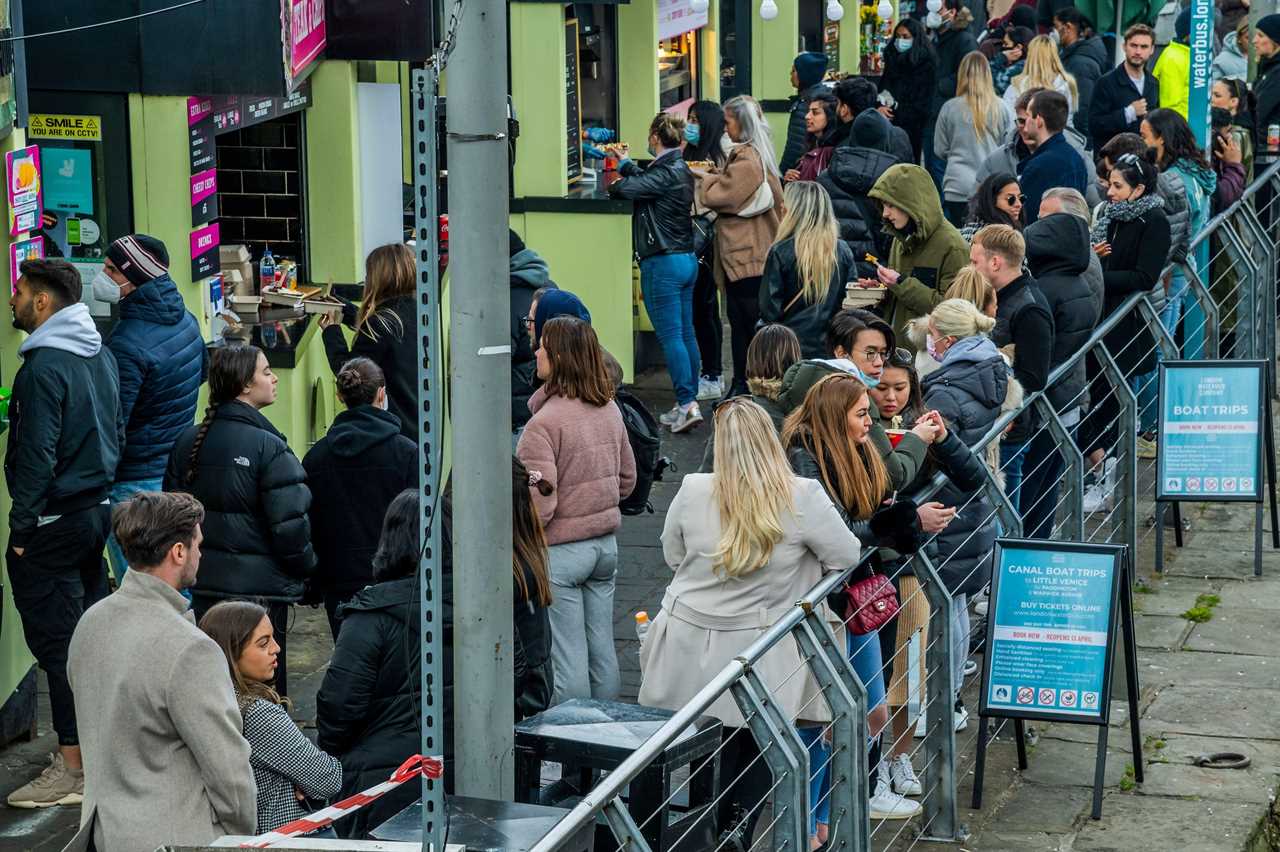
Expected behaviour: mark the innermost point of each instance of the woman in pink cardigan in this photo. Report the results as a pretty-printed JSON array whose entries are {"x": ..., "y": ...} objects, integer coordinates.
[{"x": 577, "y": 442}]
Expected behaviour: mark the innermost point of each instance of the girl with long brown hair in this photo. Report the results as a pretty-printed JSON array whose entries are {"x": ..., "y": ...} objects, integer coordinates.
[
  {"x": 531, "y": 574},
  {"x": 576, "y": 442},
  {"x": 283, "y": 759},
  {"x": 386, "y": 329}
]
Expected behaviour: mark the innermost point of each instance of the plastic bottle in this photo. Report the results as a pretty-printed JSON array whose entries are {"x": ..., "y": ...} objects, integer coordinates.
[
  {"x": 267, "y": 269},
  {"x": 642, "y": 624}
]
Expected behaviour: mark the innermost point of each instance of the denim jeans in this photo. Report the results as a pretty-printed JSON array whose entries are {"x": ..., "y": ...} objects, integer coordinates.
[
  {"x": 122, "y": 492},
  {"x": 1145, "y": 388},
  {"x": 1012, "y": 455},
  {"x": 815, "y": 740},
  {"x": 959, "y": 639},
  {"x": 666, "y": 281},
  {"x": 581, "y": 614}
]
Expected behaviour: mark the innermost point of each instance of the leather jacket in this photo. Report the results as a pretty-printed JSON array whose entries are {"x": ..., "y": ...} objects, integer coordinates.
[{"x": 663, "y": 197}]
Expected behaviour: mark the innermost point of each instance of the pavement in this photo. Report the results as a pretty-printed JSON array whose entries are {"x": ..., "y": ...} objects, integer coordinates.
[{"x": 1206, "y": 686}]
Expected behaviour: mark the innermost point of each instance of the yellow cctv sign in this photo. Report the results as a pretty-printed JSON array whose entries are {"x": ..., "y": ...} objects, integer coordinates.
[{"x": 84, "y": 128}]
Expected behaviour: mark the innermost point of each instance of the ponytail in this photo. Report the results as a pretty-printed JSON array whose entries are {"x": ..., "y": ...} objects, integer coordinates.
[
  {"x": 194, "y": 456},
  {"x": 231, "y": 370}
]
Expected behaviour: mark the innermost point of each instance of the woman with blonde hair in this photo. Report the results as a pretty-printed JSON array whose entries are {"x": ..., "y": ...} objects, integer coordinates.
[
  {"x": 745, "y": 542},
  {"x": 972, "y": 287},
  {"x": 1044, "y": 70},
  {"x": 970, "y": 128},
  {"x": 386, "y": 329},
  {"x": 807, "y": 268},
  {"x": 746, "y": 195}
]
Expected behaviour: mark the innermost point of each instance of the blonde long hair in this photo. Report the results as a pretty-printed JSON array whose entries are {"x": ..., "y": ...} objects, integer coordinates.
[
  {"x": 852, "y": 473},
  {"x": 747, "y": 111},
  {"x": 811, "y": 221},
  {"x": 1043, "y": 69},
  {"x": 972, "y": 287},
  {"x": 973, "y": 83},
  {"x": 752, "y": 484},
  {"x": 390, "y": 272}
]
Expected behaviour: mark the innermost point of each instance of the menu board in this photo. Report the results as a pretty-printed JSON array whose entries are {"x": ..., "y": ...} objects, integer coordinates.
[{"x": 572, "y": 101}]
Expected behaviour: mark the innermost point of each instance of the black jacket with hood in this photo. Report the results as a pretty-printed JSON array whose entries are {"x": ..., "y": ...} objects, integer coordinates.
[
  {"x": 848, "y": 178},
  {"x": 782, "y": 301},
  {"x": 390, "y": 340},
  {"x": 954, "y": 43},
  {"x": 529, "y": 273},
  {"x": 1085, "y": 60},
  {"x": 66, "y": 431},
  {"x": 1058, "y": 252},
  {"x": 1266, "y": 90},
  {"x": 257, "y": 539},
  {"x": 354, "y": 472}
]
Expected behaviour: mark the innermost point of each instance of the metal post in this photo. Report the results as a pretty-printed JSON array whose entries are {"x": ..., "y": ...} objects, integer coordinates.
[
  {"x": 1124, "y": 521},
  {"x": 1073, "y": 526},
  {"x": 939, "y": 780},
  {"x": 480, "y": 344},
  {"x": 430, "y": 376},
  {"x": 786, "y": 757}
]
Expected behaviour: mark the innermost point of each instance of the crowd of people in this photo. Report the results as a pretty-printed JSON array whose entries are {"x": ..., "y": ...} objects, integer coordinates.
[{"x": 996, "y": 197}]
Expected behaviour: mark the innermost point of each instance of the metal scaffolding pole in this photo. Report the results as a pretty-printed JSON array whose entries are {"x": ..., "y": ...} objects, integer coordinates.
[{"x": 480, "y": 347}]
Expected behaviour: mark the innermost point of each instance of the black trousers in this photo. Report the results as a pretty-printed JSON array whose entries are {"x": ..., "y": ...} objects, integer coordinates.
[
  {"x": 60, "y": 574},
  {"x": 742, "y": 303},
  {"x": 277, "y": 611},
  {"x": 707, "y": 327},
  {"x": 741, "y": 756},
  {"x": 1042, "y": 469},
  {"x": 955, "y": 211}
]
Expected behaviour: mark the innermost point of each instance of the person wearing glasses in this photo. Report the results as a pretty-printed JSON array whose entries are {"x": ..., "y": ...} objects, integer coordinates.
[
  {"x": 998, "y": 200},
  {"x": 745, "y": 543}
]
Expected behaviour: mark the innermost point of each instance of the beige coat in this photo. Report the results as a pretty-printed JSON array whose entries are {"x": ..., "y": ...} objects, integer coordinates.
[
  {"x": 707, "y": 619},
  {"x": 165, "y": 761},
  {"x": 741, "y": 244}
]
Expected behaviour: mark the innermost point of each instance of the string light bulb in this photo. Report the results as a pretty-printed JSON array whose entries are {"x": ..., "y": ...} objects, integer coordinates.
[
  {"x": 768, "y": 10},
  {"x": 884, "y": 11},
  {"x": 834, "y": 10}
]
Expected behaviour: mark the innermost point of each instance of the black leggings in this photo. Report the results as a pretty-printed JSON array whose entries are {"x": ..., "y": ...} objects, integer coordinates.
[
  {"x": 742, "y": 303},
  {"x": 741, "y": 756},
  {"x": 707, "y": 327}
]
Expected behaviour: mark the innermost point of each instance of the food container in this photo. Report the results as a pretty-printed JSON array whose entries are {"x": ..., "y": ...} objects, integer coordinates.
[
  {"x": 863, "y": 297},
  {"x": 244, "y": 304},
  {"x": 895, "y": 435},
  {"x": 321, "y": 305}
]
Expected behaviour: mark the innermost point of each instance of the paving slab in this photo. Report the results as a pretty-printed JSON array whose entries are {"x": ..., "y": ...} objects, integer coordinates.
[
  {"x": 1226, "y": 712},
  {"x": 1172, "y": 596},
  {"x": 1037, "y": 808},
  {"x": 1131, "y": 821},
  {"x": 1203, "y": 669},
  {"x": 1237, "y": 631},
  {"x": 1264, "y": 754},
  {"x": 1261, "y": 593},
  {"x": 1058, "y": 763},
  {"x": 1161, "y": 631},
  {"x": 1210, "y": 558},
  {"x": 1183, "y": 780}
]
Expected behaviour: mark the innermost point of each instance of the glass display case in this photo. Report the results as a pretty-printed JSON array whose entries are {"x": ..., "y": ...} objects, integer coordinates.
[{"x": 677, "y": 71}]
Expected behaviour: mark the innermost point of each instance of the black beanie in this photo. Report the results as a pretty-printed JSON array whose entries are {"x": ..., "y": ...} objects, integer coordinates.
[
  {"x": 1182, "y": 25},
  {"x": 1269, "y": 26},
  {"x": 141, "y": 258},
  {"x": 810, "y": 67},
  {"x": 517, "y": 244}
]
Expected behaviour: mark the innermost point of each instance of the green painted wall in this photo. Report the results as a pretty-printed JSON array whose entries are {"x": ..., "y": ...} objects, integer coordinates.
[
  {"x": 637, "y": 71},
  {"x": 333, "y": 176},
  {"x": 537, "y": 91},
  {"x": 601, "y": 277},
  {"x": 773, "y": 49},
  {"x": 709, "y": 64}
]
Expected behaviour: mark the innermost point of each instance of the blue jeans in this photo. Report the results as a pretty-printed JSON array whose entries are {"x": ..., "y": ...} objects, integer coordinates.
[
  {"x": 1145, "y": 388},
  {"x": 1012, "y": 455},
  {"x": 666, "y": 281},
  {"x": 122, "y": 492}
]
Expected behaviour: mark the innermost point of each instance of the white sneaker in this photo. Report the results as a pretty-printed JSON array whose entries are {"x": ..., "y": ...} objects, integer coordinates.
[
  {"x": 687, "y": 419},
  {"x": 962, "y": 717},
  {"x": 710, "y": 388},
  {"x": 671, "y": 416},
  {"x": 886, "y": 804},
  {"x": 970, "y": 668},
  {"x": 903, "y": 775},
  {"x": 922, "y": 724},
  {"x": 980, "y": 608},
  {"x": 1100, "y": 497}
]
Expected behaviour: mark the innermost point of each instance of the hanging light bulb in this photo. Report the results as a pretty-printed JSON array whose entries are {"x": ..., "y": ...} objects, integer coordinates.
[
  {"x": 699, "y": 6},
  {"x": 834, "y": 10},
  {"x": 768, "y": 10},
  {"x": 934, "y": 5},
  {"x": 933, "y": 20},
  {"x": 884, "y": 11}
]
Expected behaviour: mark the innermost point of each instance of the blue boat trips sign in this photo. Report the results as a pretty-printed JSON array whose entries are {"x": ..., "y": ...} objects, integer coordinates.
[{"x": 1052, "y": 621}]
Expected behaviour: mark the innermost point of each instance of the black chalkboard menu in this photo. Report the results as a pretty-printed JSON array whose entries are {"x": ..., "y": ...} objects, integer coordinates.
[{"x": 572, "y": 100}]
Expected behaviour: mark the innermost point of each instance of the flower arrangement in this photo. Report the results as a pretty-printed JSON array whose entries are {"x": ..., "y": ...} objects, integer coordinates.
[{"x": 875, "y": 33}]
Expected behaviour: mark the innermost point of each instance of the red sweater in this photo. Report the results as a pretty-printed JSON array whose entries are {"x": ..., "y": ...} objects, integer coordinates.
[{"x": 583, "y": 451}]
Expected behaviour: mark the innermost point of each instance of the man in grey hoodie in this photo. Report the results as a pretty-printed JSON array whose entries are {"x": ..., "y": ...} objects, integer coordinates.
[{"x": 59, "y": 471}]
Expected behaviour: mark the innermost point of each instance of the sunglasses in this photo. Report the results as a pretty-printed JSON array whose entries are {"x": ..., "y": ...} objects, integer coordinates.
[
  {"x": 900, "y": 358},
  {"x": 1010, "y": 199}
]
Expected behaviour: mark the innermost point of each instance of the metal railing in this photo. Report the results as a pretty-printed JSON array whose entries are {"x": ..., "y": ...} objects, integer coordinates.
[{"x": 1233, "y": 315}]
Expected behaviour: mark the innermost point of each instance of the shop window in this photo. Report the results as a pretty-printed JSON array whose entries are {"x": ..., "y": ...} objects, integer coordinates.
[
  {"x": 260, "y": 174},
  {"x": 597, "y": 63},
  {"x": 678, "y": 71},
  {"x": 735, "y": 48}
]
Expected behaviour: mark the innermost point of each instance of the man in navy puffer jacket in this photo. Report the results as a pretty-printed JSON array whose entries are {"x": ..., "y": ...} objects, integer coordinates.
[{"x": 162, "y": 361}]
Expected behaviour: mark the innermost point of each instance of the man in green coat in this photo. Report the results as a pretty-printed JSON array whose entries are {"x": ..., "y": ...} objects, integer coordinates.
[{"x": 927, "y": 250}]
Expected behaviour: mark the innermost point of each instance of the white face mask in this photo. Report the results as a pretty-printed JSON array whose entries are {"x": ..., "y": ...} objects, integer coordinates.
[{"x": 105, "y": 289}]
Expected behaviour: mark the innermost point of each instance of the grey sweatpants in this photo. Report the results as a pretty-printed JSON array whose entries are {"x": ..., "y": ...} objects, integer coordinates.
[{"x": 581, "y": 613}]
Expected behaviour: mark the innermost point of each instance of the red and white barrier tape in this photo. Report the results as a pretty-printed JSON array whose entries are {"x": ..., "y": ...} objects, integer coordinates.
[{"x": 431, "y": 767}]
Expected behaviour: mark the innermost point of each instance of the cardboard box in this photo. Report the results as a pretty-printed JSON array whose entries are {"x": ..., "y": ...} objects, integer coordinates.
[
  {"x": 236, "y": 257},
  {"x": 233, "y": 283}
]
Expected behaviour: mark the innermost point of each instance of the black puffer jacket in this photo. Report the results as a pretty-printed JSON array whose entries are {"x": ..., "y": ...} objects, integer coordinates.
[
  {"x": 390, "y": 340},
  {"x": 781, "y": 300},
  {"x": 848, "y": 178},
  {"x": 354, "y": 472},
  {"x": 367, "y": 707},
  {"x": 1138, "y": 251},
  {"x": 529, "y": 273},
  {"x": 1086, "y": 60},
  {"x": 967, "y": 390},
  {"x": 797, "y": 141},
  {"x": 1267, "y": 92},
  {"x": 663, "y": 197},
  {"x": 1058, "y": 252},
  {"x": 257, "y": 540},
  {"x": 953, "y": 44}
]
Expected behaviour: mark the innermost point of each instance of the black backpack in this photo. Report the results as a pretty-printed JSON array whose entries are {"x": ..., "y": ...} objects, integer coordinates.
[{"x": 646, "y": 445}]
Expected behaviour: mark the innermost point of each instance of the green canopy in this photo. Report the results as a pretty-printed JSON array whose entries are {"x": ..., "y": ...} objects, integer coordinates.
[{"x": 1103, "y": 13}]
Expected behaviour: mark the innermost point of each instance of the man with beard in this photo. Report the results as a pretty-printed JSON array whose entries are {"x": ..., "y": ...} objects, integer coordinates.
[
  {"x": 65, "y": 436},
  {"x": 1124, "y": 95}
]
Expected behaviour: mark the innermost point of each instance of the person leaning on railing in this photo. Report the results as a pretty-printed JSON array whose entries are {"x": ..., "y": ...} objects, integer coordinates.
[{"x": 745, "y": 543}]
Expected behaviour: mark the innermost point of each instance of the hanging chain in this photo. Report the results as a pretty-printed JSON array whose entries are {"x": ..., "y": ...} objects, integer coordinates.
[{"x": 441, "y": 56}]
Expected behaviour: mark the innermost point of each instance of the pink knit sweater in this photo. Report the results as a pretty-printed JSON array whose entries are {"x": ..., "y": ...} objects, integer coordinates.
[{"x": 583, "y": 451}]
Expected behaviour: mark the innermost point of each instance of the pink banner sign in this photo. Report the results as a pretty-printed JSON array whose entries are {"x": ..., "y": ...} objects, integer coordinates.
[
  {"x": 23, "y": 182},
  {"x": 198, "y": 109},
  {"x": 306, "y": 34},
  {"x": 203, "y": 185}
]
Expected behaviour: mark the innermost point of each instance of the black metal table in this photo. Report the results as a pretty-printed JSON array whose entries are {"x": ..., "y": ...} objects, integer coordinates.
[{"x": 483, "y": 825}]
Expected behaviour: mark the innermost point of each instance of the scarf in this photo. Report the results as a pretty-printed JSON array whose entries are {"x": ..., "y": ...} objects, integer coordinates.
[{"x": 1122, "y": 211}]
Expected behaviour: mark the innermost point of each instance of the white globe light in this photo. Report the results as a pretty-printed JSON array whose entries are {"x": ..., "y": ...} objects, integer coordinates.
[
  {"x": 933, "y": 20},
  {"x": 934, "y": 5},
  {"x": 699, "y": 6},
  {"x": 834, "y": 10},
  {"x": 884, "y": 11},
  {"x": 768, "y": 10}
]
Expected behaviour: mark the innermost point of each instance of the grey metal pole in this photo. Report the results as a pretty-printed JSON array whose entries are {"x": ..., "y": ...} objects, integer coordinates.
[{"x": 480, "y": 347}]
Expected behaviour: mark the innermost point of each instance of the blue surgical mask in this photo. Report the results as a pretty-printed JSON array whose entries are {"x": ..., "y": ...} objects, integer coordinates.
[
  {"x": 903, "y": 44},
  {"x": 692, "y": 134},
  {"x": 870, "y": 381}
]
